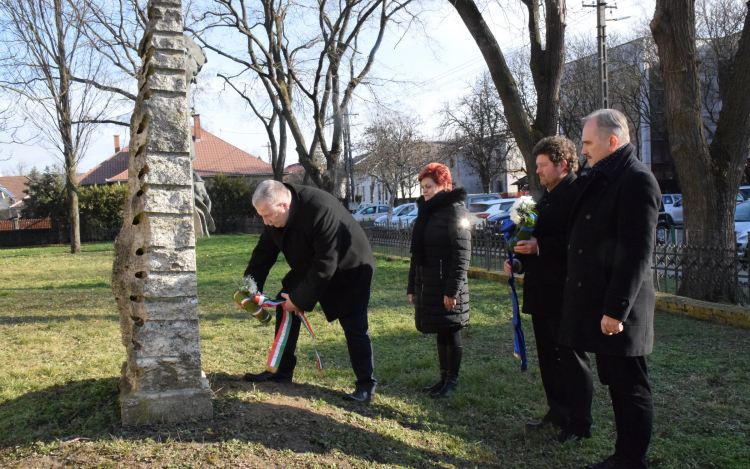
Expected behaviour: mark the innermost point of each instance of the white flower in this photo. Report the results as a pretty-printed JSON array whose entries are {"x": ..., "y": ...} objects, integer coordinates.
[
  {"x": 247, "y": 286},
  {"x": 521, "y": 209}
]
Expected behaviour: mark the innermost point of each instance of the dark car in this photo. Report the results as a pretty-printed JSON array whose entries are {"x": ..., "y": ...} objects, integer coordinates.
[{"x": 495, "y": 222}]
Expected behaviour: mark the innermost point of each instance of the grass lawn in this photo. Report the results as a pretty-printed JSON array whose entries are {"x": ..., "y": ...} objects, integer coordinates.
[{"x": 60, "y": 358}]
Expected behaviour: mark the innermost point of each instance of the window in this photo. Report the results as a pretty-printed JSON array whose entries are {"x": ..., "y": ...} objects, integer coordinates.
[
  {"x": 369, "y": 210},
  {"x": 383, "y": 209}
]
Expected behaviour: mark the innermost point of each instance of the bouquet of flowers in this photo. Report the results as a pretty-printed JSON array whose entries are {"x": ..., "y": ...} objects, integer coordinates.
[
  {"x": 523, "y": 214},
  {"x": 248, "y": 298}
]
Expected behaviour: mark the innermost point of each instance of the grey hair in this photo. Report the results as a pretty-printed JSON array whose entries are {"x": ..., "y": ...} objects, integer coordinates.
[
  {"x": 269, "y": 191},
  {"x": 610, "y": 122}
]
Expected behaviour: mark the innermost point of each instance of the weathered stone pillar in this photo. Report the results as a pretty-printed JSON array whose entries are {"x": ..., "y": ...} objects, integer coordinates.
[{"x": 154, "y": 274}]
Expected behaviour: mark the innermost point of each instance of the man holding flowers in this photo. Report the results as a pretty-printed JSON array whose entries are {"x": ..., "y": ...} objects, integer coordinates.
[
  {"x": 565, "y": 372},
  {"x": 331, "y": 262}
]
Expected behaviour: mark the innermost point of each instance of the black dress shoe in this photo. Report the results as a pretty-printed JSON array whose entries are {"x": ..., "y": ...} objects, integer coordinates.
[
  {"x": 266, "y": 376},
  {"x": 365, "y": 397},
  {"x": 566, "y": 436}
]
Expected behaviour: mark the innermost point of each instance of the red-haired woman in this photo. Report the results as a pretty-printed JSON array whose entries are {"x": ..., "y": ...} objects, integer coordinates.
[{"x": 440, "y": 253}]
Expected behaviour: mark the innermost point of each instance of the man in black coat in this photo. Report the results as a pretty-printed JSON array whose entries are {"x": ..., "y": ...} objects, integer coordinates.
[
  {"x": 331, "y": 262},
  {"x": 566, "y": 372},
  {"x": 609, "y": 292}
]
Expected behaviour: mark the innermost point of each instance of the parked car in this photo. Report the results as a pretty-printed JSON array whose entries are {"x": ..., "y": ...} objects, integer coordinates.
[
  {"x": 481, "y": 210},
  {"x": 370, "y": 213},
  {"x": 473, "y": 198},
  {"x": 742, "y": 224},
  {"x": 745, "y": 191},
  {"x": 408, "y": 219},
  {"x": 398, "y": 212},
  {"x": 495, "y": 222}
]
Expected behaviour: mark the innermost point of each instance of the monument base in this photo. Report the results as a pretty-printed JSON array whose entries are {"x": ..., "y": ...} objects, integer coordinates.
[{"x": 143, "y": 408}]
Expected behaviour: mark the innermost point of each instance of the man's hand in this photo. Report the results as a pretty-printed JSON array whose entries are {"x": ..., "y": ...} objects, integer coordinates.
[
  {"x": 289, "y": 306},
  {"x": 507, "y": 268},
  {"x": 411, "y": 298},
  {"x": 449, "y": 302},
  {"x": 527, "y": 247},
  {"x": 611, "y": 326}
]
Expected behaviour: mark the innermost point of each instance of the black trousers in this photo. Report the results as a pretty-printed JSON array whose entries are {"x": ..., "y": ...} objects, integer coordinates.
[
  {"x": 566, "y": 377},
  {"x": 627, "y": 378},
  {"x": 358, "y": 342}
]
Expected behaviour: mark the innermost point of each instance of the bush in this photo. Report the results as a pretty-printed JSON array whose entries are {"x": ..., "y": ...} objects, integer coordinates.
[
  {"x": 231, "y": 200},
  {"x": 99, "y": 207}
]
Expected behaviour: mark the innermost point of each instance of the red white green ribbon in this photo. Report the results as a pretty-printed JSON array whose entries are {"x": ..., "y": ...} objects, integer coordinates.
[{"x": 279, "y": 343}]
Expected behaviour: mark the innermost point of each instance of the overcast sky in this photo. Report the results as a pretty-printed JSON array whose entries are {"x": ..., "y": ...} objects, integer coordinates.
[{"x": 430, "y": 72}]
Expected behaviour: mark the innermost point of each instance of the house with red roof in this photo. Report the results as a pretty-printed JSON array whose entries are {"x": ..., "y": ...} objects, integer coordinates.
[
  {"x": 11, "y": 195},
  {"x": 213, "y": 156}
]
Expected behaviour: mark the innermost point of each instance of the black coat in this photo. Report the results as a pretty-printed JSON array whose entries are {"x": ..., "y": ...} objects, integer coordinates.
[
  {"x": 611, "y": 241},
  {"x": 544, "y": 279},
  {"x": 328, "y": 252},
  {"x": 446, "y": 244}
]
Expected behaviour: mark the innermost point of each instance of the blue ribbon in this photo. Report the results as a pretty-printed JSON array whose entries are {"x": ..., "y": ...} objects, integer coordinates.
[{"x": 519, "y": 343}]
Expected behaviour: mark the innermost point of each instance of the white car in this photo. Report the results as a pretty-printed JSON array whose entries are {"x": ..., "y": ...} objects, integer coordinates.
[
  {"x": 407, "y": 220},
  {"x": 398, "y": 213},
  {"x": 370, "y": 213},
  {"x": 742, "y": 224},
  {"x": 481, "y": 210}
]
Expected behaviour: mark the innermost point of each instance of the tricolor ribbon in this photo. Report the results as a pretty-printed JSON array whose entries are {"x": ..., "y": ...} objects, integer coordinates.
[
  {"x": 519, "y": 343},
  {"x": 279, "y": 342}
]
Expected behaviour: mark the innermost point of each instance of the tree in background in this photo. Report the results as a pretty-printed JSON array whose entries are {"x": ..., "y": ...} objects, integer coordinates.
[
  {"x": 41, "y": 48},
  {"x": 476, "y": 129},
  {"x": 232, "y": 198},
  {"x": 710, "y": 173},
  {"x": 396, "y": 151},
  {"x": 100, "y": 207},
  {"x": 306, "y": 70},
  {"x": 546, "y": 60}
]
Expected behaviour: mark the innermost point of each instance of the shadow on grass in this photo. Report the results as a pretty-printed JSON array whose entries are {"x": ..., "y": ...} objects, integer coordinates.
[{"x": 291, "y": 417}]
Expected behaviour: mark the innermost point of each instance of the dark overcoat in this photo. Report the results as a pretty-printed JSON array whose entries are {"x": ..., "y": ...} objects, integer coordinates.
[
  {"x": 611, "y": 241},
  {"x": 544, "y": 279},
  {"x": 328, "y": 252},
  {"x": 446, "y": 244}
]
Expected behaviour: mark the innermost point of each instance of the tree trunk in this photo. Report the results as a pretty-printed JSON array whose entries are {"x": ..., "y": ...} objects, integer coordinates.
[
  {"x": 547, "y": 79},
  {"x": 709, "y": 176},
  {"x": 66, "y": 133}
]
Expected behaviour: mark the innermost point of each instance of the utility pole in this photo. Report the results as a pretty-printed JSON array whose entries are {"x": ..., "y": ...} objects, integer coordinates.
[
  {"x": 601, "y": 47},
  {"x": 348, "y": 160},
  {"x": 268, "y": 152}
]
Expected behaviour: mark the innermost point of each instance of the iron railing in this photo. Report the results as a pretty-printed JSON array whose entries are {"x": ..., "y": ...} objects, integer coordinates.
[{"x": 672, "y": 264}]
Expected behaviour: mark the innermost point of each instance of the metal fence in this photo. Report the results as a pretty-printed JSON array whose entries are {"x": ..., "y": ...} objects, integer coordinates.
[
  {"x": 672, "y": 264},
  {"x": 677, "y": 264}
]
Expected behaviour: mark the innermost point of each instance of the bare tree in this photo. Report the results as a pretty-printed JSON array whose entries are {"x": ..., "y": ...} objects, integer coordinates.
[
  {"x": 475, "y": 128},
  {"x": 41, "y": 49},
  {"x": 323, "y": 68},
  {"x": 395, "y": 152},
  {"x": 631, "y": 62},
  {"x": 546, "y": 60},
  {"x": 709, "y": 173}
]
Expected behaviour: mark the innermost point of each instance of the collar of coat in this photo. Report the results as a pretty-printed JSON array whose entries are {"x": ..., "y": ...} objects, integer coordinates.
[
  {"x": 440, "y": 200},
  {"x": 614, "y": 162},
  {"x": 560, "y": 187},
  {"x": 294, "y": 205}
]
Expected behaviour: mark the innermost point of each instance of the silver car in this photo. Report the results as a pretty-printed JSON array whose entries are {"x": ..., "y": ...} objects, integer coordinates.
[{"x": 370, "y": 213}]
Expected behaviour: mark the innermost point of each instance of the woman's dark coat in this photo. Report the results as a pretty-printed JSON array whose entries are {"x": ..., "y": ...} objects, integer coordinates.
[
  {"x": 446, "y": 248},
  {"x": 328, "y": 252},
  {"x": 544, "y": 279},
  {"x": 611, "y": 242}
]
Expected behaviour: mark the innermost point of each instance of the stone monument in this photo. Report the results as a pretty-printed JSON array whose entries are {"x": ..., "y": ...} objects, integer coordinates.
[{"x": 154, "y": 272}]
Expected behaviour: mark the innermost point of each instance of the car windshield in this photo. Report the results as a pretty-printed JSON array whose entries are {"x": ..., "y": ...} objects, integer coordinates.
[{"x": 742, "y": 212}]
